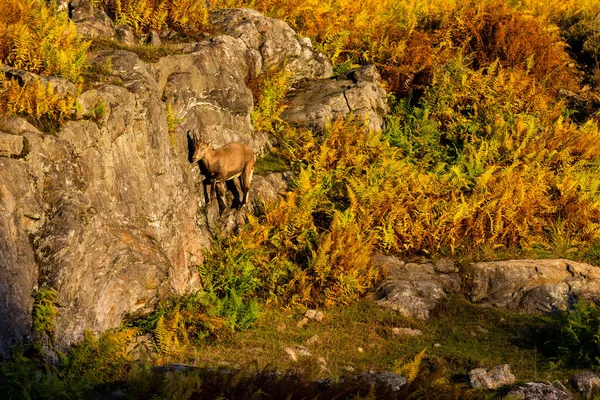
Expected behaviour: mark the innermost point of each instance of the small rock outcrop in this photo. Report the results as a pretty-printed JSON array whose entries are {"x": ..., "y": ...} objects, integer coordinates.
[
  {"x": 533, "y": 286},
  {"x": 415, "y": 289},
  {"x": 312, "y": 104},
  {"x": 272, "y": 43},
  {"x": 587, "y": 383},
  {"x": 537, "y": 391},
  {"x": 406, "y": 331},
  {"x": 495, "y": 378},
  {"x": 388, "y": 380},
  {"x": 527, "y": 286},
  {"x": 91, "y": 22}
]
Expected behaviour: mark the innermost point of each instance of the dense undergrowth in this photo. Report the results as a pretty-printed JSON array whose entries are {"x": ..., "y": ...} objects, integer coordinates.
[
  {"x": 483, "y": 155},
  {"x": 38, "y": 38}
]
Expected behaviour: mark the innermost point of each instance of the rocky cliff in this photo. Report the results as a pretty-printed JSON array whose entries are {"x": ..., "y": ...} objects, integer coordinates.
[{"x": 108, "y": 211}]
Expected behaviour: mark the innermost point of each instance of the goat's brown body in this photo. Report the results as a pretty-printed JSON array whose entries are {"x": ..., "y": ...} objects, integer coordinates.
[{"x": 226, "y": 163}]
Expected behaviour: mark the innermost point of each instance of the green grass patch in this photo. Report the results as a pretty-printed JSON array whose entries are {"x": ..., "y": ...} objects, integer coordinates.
[
  {"x": 145, "y": 52},
  {"x": 271, "y": 163},
  {"x": 470, "y": 336},
  {"x": 245, "y": 362}
]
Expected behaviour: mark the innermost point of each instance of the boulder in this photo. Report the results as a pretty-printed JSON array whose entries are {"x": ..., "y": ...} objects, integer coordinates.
[
  {"x": 533, "y": 286},
  {"x": 587, "y": 383},
  {"x": 537, "y": 391},
  {"x": 415, "y": 289},
  {"x": 91, "y": 22},
  {"x": 495, "y": 378},
  {"x": 154, "y": 39},
  {"x": 312, "y": 104},
  {"x": 124, "y": 34},
  {"x": 81, "y": 9},
  {"x": 272, "y": 43},
  {"x": 388, "y": 381},
  {"x": 406, "y": 331}
]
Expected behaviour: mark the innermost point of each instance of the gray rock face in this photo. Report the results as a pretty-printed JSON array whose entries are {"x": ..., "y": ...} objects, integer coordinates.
[
  {"x": 537, "y": 391},
  {"x": 21, "y": 216},
  {"x": 119, "y": 229},
  {"x": 207, "y": 90},
  {"x": 60, "y": 85},
  {"x": 272, "y": 43},
  {"x": 108, "y": 214},
  {"x": 529, "y": 286},
  {"x": 533, "y": 285},
  {"x": 415, "y": 289},
  {"x": 313, "y": 104},
  {"x": 495, "y": 378},
  {"x": 388, "y": 380},
  {"x": 91, "y": 22}
]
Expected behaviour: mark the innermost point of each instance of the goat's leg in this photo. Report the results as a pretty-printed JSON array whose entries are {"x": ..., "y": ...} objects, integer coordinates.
[
  {"x": 220, "y": 192},
  {"x": 208, "y": 186},
  {"x": 245, "y": 180},
  {"x": 213, "y": 188}
]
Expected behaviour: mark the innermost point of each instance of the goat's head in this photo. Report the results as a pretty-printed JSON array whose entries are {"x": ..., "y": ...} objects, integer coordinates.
[{"x": 199, "y": 148}]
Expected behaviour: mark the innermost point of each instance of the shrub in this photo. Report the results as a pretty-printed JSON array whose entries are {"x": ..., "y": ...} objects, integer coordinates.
[
  {"x": 36, "y": 37},
  {"x": 579, "y": 339},
  {"x": 36, "y": 101},
  {"x": 45, "y": 312},
  {"x": 271, "y": 92},
  {"x": 186, "y": 16},
  {"x": 516, "y": 40}
]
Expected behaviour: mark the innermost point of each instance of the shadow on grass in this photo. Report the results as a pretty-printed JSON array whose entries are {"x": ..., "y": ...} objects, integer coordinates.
[{"x": 184, "y": 382}]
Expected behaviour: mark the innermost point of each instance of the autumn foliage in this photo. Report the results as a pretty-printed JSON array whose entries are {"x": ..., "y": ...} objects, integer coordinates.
[{"x": 480, "y": 153}]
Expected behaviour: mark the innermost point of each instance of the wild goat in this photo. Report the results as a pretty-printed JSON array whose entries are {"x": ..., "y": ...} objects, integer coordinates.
[{"x": 223, "y": 164}]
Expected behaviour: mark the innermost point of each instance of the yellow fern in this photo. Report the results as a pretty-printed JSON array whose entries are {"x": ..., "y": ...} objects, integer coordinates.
[{"x": 411, "y": 369}]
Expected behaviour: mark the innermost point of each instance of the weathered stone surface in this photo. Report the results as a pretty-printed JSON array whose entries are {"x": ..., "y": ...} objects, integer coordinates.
[
  {"x": 414, "y": 289},
  {"x": 312, "y": 104},
  {"x": 388, "y": 380},
  {"x": 120, "y": 228},
  {"x": 124, "y": 34},
  {"x": 533, "y": 286},
  {"x": 587, "y": 383},
  {"x": 495, "y": 378},
  {"x": 537, "y": 391},
  {"x": 60, "y": 85},
  {"x": 207, "y": 90},
  {"x": 81, "y": 9},
  {"x": 406, "y": 331},
  {"x": 154, "y": 39},
  {"x": 272, "y": 43},
  {"x": 11, "y": 145},
  {"x": 21, "y": 215},
  {"x": 91, "y": 22}
]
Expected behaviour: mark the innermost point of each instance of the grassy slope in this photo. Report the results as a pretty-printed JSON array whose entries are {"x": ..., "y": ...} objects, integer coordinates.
[{"x": 470, "y": 337}]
